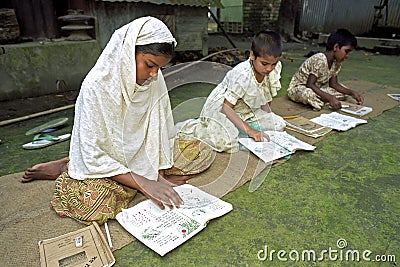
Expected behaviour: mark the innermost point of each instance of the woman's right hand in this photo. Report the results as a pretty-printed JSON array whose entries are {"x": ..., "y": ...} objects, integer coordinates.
[{"x": 160, "y": 192}]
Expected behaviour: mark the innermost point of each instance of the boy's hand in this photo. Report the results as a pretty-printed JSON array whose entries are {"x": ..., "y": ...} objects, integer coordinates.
[
  {"x": 258, "y": 136},
  {"x": 358, "y": 97}
]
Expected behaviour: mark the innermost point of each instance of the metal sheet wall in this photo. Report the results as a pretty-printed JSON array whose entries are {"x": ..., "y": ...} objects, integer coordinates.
[
  {"x": 394, "y": 13},
  {"x": 313, "y": 15},
  {"x": 202, "y": 3},
  {"x": 357, "y": 15}
]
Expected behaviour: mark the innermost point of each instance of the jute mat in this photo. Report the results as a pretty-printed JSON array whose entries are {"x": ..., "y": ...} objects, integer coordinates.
[
  {"x": 27, "y": 217},
  {"x": 375, "y": 96}
]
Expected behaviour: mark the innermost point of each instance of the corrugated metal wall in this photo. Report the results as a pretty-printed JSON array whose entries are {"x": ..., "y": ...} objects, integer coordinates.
[
  {"x": 313, "y": 15},
  {"x": 202, "y": 3},
  {"x": 394, "y": 13},
  {"x": 356, "y": 15}
]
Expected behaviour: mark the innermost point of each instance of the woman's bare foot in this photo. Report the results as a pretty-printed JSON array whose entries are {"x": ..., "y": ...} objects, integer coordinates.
[{"x": 45, "y": 171}]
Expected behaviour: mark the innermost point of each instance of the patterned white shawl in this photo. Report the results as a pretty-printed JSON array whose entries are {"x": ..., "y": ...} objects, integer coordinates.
[{"x": 119, "y": 126}]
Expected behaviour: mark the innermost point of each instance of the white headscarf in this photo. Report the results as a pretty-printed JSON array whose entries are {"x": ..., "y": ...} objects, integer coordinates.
[{"x": 119, "y": 126}]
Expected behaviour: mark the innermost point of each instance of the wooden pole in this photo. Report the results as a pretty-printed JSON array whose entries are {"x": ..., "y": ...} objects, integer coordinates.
[
  {"x": 222, "y": 28},
  {"x": 34, "y": 115}
]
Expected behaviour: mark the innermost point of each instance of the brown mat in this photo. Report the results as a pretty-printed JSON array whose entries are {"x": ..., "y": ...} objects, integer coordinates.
[
  {"x": 27, "y": 217},
  {"x": 375, "y": 96}
]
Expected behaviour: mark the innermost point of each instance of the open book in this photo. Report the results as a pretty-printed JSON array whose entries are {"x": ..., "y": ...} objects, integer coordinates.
[
  {"x": 305, "y": 126},
  {"x": 338, "y": 121},
  {"x": 355, "y": 109},
  {"x": 84, "y": 247},
  {"x": 281, "y": 145},
  {"x": 164, "y": 230}
]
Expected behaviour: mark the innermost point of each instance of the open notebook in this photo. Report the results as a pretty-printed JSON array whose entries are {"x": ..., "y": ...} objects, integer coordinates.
[
  {"x": 338, "y": 121},
  {"x": 164, "y": 230},
  {"x": 281, "y": 145},
  {"x": 355, "y": 109}
]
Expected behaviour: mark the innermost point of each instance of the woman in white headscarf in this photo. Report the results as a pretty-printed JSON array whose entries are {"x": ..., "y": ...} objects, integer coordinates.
[{"x": 123, "y": 129}]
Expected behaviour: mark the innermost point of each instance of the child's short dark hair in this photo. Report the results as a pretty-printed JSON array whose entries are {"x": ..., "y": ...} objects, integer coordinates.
[
  {"x": 267, "y": 43},
  {"x": 342, "y": 37},
  {"x": 157, "y": 49}
]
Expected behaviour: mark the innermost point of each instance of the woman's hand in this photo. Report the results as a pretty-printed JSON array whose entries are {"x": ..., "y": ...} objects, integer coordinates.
[{"x": 160, "y": 192}]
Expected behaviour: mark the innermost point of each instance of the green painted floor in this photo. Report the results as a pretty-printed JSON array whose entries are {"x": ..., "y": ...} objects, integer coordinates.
[
  {"x": 345, "y": 192},
  {"x": 347, "y": 189}
]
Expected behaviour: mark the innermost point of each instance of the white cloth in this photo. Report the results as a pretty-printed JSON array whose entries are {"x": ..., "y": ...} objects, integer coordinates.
[
  {"x": 241, "y": 89},
  {"x": 120, "y": 127}
]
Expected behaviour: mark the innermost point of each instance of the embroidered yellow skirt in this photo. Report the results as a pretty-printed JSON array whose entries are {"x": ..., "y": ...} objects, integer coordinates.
[
  {"x": 102, "y": 199},
  {"x": 91, "y": 199}
]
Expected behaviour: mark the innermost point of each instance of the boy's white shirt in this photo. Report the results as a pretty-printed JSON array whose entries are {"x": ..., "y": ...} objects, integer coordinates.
[
  {"x": 240, "y": 83},
  {"x": 121, "y": 127},
  {"x": 241, "y": 89}
]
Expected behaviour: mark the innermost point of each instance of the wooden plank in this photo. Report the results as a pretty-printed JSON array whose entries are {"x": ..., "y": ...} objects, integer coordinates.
[{"x": 190, "y": 41}]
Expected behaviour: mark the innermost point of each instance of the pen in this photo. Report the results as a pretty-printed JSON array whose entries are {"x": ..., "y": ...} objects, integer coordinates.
[
  {"x": 108, "y": 235},
  {"x": 291, "y": 117}
]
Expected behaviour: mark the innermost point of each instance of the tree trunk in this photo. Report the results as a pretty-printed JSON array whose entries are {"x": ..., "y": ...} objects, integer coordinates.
[{"x": 288, "y": 15}]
